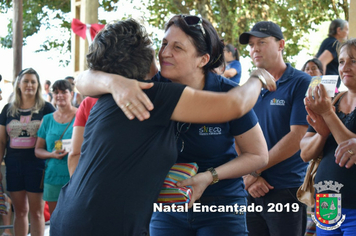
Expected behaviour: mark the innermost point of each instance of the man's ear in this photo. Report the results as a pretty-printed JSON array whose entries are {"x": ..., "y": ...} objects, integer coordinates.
[{"x": 282, "y": 43}]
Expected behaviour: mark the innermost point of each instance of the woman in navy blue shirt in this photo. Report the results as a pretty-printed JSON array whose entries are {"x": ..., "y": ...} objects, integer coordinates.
[{"x": 190, "y": 50}]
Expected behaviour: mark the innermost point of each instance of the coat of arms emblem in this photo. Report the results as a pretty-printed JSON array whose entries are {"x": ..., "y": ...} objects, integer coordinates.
[{"x": 328, "y": 205}]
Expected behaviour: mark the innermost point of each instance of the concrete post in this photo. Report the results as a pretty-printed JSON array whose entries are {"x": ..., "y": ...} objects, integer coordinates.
[{"x": 87, "y": 12}]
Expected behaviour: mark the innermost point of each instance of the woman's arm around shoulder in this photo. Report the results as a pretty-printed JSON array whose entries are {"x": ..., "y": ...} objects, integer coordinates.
[
  {"x": 126, "y": 92},
  {"x": 197, "y": 106}
]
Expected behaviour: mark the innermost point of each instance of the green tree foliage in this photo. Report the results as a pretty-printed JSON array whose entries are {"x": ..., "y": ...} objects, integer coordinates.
[
  {"x": 233, "y": 17},
  {"x": 230, "y": 17},
  {"x": 42, "y": 13},
  {"x": 36, "y": 14}
]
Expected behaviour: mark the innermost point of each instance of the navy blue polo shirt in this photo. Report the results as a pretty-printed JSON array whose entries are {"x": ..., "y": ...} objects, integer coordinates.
[
  {"x": 211, "y": 145},
  {"x": 276, "y": 112}
]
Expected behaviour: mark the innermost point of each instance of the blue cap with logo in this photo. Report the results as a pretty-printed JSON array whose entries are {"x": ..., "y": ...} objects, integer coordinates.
[{"x": 262, "y": 29}]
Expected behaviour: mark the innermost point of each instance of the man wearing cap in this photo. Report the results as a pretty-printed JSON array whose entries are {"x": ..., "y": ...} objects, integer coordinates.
[{"x": 282, "y": 117}]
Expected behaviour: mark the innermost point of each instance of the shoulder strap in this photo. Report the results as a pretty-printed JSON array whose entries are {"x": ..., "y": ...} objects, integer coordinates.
[
  {"x": 66, "y": 128},
  {"x": 337, "y": 97}
]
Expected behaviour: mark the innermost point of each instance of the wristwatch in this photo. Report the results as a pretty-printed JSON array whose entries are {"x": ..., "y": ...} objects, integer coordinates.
[
  {"x": 255, "y": 174},
  {"x": 215, "y": 175}
]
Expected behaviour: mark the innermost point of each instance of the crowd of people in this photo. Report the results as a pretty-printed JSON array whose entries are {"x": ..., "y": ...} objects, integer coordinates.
[{"x": 100, "y": 170}]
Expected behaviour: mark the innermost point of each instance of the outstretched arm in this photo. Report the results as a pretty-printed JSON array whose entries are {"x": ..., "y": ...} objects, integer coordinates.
[
  {"x": 196, "y": 106},
  {"x": 127, "y": 93}
]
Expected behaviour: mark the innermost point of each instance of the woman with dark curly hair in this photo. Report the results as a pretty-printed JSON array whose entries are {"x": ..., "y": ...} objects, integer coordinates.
[
  {"x": 191, "y": 49},
  {"x": 123, "y": 163}
]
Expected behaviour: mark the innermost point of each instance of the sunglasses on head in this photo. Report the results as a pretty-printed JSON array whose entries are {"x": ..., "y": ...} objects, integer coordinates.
[{"x": 194, "y": 21}]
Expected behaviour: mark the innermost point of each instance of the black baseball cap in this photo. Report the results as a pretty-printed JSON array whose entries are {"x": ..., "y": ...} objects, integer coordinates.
[{"x": 262, "y": 29}]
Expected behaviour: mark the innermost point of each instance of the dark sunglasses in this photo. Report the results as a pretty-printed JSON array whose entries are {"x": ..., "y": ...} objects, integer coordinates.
[{"x": 194, "y": 21}]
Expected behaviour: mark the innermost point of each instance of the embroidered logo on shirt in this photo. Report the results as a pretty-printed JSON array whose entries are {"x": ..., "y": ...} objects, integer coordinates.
[
  {"x": 277, "y": 102},
  {"x": 208, "y": 130}
]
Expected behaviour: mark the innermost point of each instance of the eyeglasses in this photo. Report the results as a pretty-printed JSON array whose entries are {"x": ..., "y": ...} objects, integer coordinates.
[
  {"x": 181, "y": 129},
  {"x": 194, "y": 21}
]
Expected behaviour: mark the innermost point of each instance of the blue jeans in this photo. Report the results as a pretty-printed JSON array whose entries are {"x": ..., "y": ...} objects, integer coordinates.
[
  {"x": 347, "y": 228},
  {"x": 194, "y": 223},
  {"x": 282, "y": 214}
]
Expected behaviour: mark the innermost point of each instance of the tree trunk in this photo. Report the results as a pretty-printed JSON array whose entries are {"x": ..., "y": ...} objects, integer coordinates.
[{"x": 17, "y": 37}]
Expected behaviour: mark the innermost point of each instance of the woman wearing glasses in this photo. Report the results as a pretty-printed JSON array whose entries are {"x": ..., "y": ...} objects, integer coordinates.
[{"x": 190, "y": 50}]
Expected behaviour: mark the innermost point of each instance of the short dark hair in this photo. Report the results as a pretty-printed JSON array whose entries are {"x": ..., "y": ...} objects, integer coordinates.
[
  {"x": 209, "y": 43},
  {"x": 69, "y": 77},
  {"x": 317, "y": 62},
  {"x": 48, "y": 82},
  {"x": 336, "y": 24},
  {"x": 62, "y": 85},
  {"x": 122, "y": 48}
]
